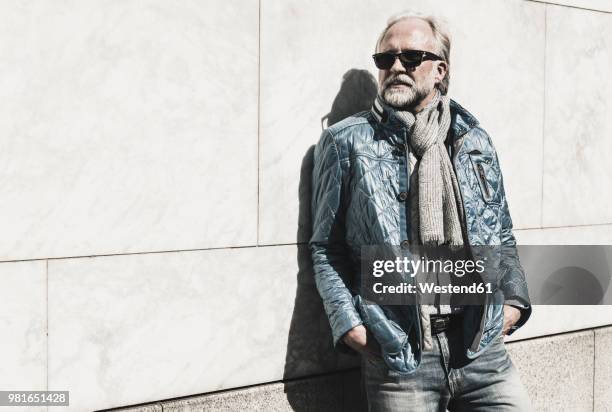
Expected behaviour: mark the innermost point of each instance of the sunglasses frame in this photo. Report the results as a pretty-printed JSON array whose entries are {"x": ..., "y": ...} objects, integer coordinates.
[{"x": 425, "y": 55}]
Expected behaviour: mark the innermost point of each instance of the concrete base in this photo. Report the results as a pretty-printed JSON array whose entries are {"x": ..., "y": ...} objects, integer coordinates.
[
  {"x": 557, "y": 370},
  {"x": 335, "y": 392}
]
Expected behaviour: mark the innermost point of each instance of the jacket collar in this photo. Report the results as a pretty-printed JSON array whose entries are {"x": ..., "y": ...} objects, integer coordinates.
[{"x": 461, "y": 120}]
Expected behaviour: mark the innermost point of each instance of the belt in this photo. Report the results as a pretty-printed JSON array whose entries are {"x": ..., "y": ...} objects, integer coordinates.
[{"x": 441, "y": 323}]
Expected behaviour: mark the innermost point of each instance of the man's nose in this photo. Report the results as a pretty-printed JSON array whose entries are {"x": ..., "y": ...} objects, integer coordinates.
[{"x": 397, "y": 66}]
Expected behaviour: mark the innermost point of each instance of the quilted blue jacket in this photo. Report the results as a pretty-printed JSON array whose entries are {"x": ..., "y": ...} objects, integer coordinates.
[{"x": 359, "y": 186}]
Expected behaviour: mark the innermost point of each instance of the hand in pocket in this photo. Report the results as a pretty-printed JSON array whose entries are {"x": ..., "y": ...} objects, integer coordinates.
[{"x": 362, "y": 341}]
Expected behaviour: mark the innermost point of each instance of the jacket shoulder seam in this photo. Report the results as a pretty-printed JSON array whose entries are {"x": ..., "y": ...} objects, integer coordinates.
[{"x": 357, "y": 119}]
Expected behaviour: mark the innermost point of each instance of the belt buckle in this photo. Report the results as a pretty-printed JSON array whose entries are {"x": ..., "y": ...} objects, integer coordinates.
[{"x": 440, "y": 324}]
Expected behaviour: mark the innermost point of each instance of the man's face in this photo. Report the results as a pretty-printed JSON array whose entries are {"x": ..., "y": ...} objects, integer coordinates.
[{"x": 408, "y": 88}]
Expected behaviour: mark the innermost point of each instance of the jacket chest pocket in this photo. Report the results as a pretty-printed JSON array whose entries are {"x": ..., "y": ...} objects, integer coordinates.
[{"x": 486, "y": 174}]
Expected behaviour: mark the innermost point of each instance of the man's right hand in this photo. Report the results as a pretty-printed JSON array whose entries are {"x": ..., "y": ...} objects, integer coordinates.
[{"x": 361, "y": 340}]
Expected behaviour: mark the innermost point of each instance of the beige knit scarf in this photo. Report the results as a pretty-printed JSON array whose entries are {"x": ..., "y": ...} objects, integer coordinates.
[{"x": 437, "y": 218}]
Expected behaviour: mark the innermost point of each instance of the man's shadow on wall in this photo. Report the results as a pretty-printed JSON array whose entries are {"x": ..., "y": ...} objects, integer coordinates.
[{"x": 309, "y": 345}]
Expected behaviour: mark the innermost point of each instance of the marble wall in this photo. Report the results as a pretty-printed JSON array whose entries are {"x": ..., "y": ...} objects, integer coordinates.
[
  {"x": 127, "y": 126},
  {"x": 156, "y": 169}
]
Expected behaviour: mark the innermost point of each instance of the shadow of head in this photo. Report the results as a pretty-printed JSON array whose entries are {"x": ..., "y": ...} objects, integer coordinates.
[{"x": 357, "y": 92}]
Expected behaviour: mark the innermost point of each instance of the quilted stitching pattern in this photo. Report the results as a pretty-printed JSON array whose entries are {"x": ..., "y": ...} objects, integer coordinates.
[{"x": 355, "y": 203}]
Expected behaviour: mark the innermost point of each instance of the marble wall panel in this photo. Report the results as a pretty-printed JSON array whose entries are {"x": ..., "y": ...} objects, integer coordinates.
[
  {"x": 136, "y": 328},
  {"x": 577, "y": 168},
  {"x": 23, "y": 328},
  {"x": 127, "y": 126}
]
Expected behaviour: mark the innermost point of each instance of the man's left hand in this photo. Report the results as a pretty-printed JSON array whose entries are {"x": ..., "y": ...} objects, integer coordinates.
[{"x": 511, "y": 316}]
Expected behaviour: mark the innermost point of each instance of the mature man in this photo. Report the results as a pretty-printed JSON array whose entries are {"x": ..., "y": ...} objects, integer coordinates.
[{"x": 418, "y": 168}]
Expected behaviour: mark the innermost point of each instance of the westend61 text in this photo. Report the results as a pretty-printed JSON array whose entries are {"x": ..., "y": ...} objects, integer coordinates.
[{"x": 429, "y": 288}]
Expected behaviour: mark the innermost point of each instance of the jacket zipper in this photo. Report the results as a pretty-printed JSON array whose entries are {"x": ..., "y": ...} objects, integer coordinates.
[
  {"x": 483, "y": 180},
  {"x": 476, "y": 342}
]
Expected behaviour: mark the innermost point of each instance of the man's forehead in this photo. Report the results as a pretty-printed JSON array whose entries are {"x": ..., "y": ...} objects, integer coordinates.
[{"x": 412, "y": 33}]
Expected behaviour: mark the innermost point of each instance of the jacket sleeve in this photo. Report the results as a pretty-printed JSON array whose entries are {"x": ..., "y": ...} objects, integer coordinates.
[
  {"x": 513, "y": 283},
  {"x": 331, "y": 263}
]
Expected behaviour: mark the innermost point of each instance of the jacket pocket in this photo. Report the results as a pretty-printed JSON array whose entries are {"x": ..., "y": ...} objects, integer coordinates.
[
  {"x": 484, "y": 170},
  {"x": 494, "y": 320},
  {"x": 389, "y": 334}
]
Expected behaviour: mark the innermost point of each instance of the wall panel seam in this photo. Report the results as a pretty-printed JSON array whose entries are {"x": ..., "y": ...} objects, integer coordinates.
[
  {"x": 594, "y": 364},
  {"x": 544, "y": 117},
  {"x": 570, "y": 6},
  {"x": 258, "y": 116},
  {"x": 47, "y": 325}
]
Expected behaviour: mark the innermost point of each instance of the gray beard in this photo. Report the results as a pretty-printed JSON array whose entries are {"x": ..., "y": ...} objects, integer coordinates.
[{"x": 404, "y": 99}]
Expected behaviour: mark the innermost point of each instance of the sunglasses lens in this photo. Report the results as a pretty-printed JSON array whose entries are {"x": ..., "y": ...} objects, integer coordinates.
[
  {"x": 410, "y": 58},
  {"x": 384, "y": 61}
]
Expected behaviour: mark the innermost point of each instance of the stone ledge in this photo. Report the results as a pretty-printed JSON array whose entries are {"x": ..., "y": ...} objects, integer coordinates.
[
  {"x": 324, "y": 393},
  {"x": 146, "y": 408}
]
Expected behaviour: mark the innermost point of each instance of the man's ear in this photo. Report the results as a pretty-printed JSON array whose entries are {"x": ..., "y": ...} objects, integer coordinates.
[{"x": 441, "y": 69}]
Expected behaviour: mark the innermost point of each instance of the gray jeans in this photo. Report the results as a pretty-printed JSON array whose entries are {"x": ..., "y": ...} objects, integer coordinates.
[{"x": 447, "y": 380}]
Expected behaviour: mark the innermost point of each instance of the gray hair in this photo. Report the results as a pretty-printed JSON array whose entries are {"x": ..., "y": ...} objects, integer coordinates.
[{"x": 441, "y": 36}]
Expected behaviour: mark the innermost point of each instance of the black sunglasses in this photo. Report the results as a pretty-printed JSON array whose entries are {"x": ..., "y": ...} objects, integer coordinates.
[{"x": 409, "y": 58}]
